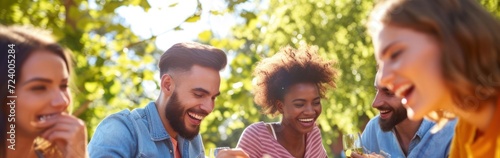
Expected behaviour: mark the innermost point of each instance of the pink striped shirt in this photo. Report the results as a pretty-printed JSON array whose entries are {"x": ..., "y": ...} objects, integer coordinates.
[{"x": 256, "y": 141}]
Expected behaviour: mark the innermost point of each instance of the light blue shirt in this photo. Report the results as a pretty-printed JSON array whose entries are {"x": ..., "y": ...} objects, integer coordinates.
[
  {"x": 423, "y": 144},
  {"x": 139, "y": 133}
]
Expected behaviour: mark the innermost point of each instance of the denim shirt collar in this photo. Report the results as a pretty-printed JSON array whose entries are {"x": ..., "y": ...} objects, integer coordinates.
[
  {"x": 157, "y": 131},
  {"x": 424, "y": 128}
]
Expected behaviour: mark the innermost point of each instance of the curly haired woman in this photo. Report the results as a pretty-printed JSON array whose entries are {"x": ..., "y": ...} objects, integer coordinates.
[{"x": 291, "y": 84}]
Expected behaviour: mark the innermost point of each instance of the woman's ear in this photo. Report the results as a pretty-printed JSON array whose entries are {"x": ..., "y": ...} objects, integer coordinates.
[{"x": 280, "y": 105}]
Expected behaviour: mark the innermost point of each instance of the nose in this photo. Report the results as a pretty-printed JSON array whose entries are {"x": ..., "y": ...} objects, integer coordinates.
[
  {"x": 378, "y": 101},
  {"x": 384, "y": 77},
  {"x": 60, "y": 99},
  {"x": 309, "y": 110},
  {"x": 208, "y": 105}
]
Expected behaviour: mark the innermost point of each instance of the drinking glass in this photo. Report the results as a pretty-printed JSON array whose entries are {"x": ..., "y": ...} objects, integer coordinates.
[
  {"x": 214, "y": 151},
  {"x": 352, "y": 143}
]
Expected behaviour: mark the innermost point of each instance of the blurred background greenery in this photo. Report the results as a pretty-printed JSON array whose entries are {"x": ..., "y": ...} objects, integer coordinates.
[{"x": 115, "y": 66}]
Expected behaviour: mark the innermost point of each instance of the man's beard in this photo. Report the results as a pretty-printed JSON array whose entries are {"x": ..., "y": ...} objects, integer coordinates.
[
  {"x": 398, "y": 115},
  {"x": 174, "y": 112}
]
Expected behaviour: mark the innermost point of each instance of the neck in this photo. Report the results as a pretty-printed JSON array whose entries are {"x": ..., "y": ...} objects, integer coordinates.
[
  {"x": 164, "y": 120},
  {"x": 405, "y": 131},
  {"x": 481, "y": 118},
  {"x": 291, "y": 139},
  {"x": 23, "y": 142},
  {"x": 407, "y": 128}
]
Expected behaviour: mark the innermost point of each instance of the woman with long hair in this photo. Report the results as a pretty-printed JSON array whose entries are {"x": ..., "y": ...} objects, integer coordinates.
[
  {"x": 442, "y": 57},
  {"x": 35, "y": 97}
]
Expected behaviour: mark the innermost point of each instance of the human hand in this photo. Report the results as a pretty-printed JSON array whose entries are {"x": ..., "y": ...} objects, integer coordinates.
[
  {"x": 232, "y": 153},
  {"x": 67, "y": 133}
]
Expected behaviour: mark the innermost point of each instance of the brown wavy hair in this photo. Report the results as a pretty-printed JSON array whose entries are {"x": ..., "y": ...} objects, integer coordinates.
[
  {"x": 27, "y": 40},
  {"x": 274, "y": 75},
  {"x": 182, "y": 56},
  {"x": 469, "y": 39}
]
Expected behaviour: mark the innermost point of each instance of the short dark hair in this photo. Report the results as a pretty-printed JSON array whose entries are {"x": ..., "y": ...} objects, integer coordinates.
[
  {"x": 182, "y": 56},
  {"x": 290, "y": 66}
]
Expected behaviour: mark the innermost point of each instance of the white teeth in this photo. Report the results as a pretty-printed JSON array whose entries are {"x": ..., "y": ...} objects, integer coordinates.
[
  {"x": 306, "y": 120},
  {"x": 196, "y": 116},
  {"x": 46, "y": 117},
  {"x": 384, "y": 111},
  {"x": 399, "y": 92}
]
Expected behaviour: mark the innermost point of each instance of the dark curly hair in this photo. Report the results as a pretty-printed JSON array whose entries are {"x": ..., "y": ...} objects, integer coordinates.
[{"x": 274, "y": 75}]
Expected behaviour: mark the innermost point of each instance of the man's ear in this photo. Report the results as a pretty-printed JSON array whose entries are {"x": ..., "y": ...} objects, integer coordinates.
[{"x": 167, "y": 84}]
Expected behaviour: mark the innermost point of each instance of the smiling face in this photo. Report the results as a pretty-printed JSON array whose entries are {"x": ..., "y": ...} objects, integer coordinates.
[
  {"x": 409, "y": 63},
  {"x": 392, "y": 112},
  {"x": 192, "y": 100},
  {"x": 301, "y": 107},
  {"x": 42, "y": 91}
]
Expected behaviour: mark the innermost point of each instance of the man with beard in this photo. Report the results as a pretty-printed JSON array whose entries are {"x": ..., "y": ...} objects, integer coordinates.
[
  {"x": 392, "y": 134},
  {"x": 168, "y": 127}
]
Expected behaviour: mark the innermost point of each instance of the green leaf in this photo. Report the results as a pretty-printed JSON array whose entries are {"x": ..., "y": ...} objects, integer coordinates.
[
  {"x": 205, "y": 35},
  {"x": 193, "y": 18},
  {"x": 90, "y": 86},
  {"x": 173, "y": 4}
]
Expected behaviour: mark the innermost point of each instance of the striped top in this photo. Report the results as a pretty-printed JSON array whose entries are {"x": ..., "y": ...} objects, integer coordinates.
[{"x": 256, "y": 141}]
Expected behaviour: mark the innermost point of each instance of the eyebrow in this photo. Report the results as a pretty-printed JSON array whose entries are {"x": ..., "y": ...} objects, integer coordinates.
[
  {"x": 304, "y": 99},
  {"x": 384, "y": 51},
  {"x": 204, "y": 91},
  {"x": 37, "y": 79}
]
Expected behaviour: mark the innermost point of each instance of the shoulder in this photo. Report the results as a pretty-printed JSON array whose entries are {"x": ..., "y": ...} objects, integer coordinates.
[
  {"x": 118, "y": 120},
  {"x": 461, "y": 130},
  {"x": 251, "y": 139},
  {"x": 371, "y": 134},
  {"x": 373, "y": 123},
  {"x": 255, "y": 128},
  {"x": 372, "y": 127},
  {"x": 115, "y": 134},
  {"x": 449, "y": 128},
  {"x": 315, "y": 143}
]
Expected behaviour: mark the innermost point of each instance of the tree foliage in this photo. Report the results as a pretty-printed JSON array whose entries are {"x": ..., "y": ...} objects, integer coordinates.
[
  {"x": 112, "y": 64},
  {"x": 110, "y": 61},
  {"x": 336, "y": 27}
]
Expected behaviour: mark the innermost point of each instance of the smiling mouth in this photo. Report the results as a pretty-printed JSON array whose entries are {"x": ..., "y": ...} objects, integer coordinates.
[
  {"x": 306, "y": 120},
  {"x": 47, "y": 117},
  {"x": 195, "y": 116},
  {"x": 384, "y": 111},
  {"x": 404, "y": 91}
]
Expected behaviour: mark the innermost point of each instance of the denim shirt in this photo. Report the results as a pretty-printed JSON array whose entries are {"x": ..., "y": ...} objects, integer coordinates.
[
  {"x": 423, "y": 144},
  {"x": 139, "y": 133}
]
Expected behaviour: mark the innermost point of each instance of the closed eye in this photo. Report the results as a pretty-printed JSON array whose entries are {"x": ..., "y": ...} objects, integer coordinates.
[
  {"x": 395, "y": 54},
  {"x": 317, "y": 103},
  {"x": 387, "y": 92},
  {"x": 198, "y": 95},
  {"x": 298, "y": 105},
  {"x": 38, "y": 88},
  {"x": 64, "y": 86}
]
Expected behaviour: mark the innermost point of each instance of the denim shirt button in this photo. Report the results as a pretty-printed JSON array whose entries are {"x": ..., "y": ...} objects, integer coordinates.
[{"x": 170, "y": 151}]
